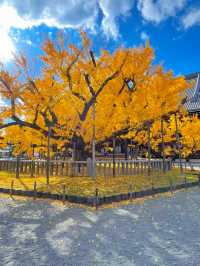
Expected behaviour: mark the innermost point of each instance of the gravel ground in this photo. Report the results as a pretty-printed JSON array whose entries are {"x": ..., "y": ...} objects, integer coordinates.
[{"x": 161, "y": 231}]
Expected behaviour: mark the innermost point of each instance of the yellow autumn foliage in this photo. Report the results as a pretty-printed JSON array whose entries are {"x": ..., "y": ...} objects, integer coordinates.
[{"x": 72, "y": 80}]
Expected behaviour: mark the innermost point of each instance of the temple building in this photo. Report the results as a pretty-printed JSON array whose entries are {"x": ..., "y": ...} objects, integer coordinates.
[{"x": 192, "y": 103}]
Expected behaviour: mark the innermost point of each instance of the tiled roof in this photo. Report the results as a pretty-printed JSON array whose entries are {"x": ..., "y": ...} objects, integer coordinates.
[{"x": 193, "y": 94}]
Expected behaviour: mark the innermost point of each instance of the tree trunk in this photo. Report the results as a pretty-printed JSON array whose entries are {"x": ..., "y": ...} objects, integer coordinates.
[
  {"x": 178, "y": 145},
  {"x": 149, "y": 146},
  {"x": 114, "y": 142},
  {"x": 132, "y": 150},
  {"x": 163, "y": 144},
  {"x": 48, "y": 155},
  {"x": 32, "y": 161},
  {"x": 125, "y": 149},
  {"x": 73, "y": 149},
  {"x": 93, "y": 141},
  {"x": 18, "y": 166}
]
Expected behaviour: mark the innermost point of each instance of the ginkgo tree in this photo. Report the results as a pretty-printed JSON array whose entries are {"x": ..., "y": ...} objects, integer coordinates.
[
  {"x": 58, "y": 103},
  {"x": 68, "y": 85}
]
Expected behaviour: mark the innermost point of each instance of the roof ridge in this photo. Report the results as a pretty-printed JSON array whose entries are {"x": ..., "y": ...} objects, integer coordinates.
[{"x": 192, "y": 75}]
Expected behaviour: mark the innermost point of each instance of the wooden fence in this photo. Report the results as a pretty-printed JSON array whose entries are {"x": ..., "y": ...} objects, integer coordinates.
[
  {"x": 84, "y": 168},
  {"x": 130, "y": 167},
  {"x": 192, "y": 164}
]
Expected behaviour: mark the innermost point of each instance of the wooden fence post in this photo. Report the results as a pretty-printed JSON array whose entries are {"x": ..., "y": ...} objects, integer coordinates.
[
  {"x": 152, "y": 186},
  {"x": 18, "y": 166},
  {"x": 131, "y": 192},
  {"x": 171, "y": 186},
  {"x": 35, "y": 190},
  {"x": 11, "y": 188},
  {"x": 185, "y": 180},
  {"x": 96, "y": 198},
  {"x": 64, "y": 194}
]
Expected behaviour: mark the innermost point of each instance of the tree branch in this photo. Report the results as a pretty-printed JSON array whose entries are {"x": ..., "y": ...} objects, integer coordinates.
[
  {"x": 36, "y": 114},
  {"x": 87, "y": 79},
  {"x": 81, "y": 97},
  {"x": 8, "y": 88},
  {"x": 6, "y": 85},
  {"x": 93, "y": 98},
  {"x": 8, "y": 125},
  {"x": 69, "y": 68}
]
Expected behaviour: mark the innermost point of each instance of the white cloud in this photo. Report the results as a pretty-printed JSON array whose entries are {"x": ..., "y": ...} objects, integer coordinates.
[
  {"x": 29, "y": 42},
  {"x": 144, "y": 36},
  {"x": 7, "y": 47},
  {"x": 25, "y": 14},
  {"x": 1, "y": 102},
  {"x": 159, "y": 10},
  {"x": 191, "y": 18},
  {"x": 58, "y": 13},
  {"x": 113, "y": 9}
]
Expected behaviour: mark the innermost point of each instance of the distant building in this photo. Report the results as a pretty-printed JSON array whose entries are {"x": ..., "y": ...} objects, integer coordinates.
[{"x": 193, "y": 94}]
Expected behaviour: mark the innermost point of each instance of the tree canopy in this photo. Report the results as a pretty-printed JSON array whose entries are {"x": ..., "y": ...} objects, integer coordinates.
[{"x": 71, "y": 81}]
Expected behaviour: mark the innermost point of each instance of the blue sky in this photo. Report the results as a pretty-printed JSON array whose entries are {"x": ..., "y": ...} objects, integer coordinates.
[{"x": 172, "y": 26}]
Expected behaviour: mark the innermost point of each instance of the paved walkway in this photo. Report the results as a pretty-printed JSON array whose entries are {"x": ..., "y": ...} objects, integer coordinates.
[{"x": 162, "y": 231}]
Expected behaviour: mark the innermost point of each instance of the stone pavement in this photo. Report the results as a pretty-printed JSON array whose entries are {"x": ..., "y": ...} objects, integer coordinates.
[{"x": 161, "y": 231}]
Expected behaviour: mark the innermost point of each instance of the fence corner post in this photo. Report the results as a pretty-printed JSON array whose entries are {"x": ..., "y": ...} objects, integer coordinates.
[
  {"x": 185, "y": 180},
  {"x": 199, "y": 179},
  {"x": 11, "y": 188},
  {"x": 96, "y": 198},
  {"x": 64, "y": 194},
  {"x": 35, "y": 190},
  {"x": 152, "y": 187},
  {"x": 131, "y": 192},
  {"x": 171, "y": 186}
]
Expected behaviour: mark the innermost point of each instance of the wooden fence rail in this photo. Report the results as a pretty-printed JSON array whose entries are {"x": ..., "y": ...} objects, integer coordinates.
[{"x": 83, "y": 168}]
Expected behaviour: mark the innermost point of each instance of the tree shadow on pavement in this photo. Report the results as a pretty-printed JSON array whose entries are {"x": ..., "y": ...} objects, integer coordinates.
[{"x": 159, "y": 232}]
